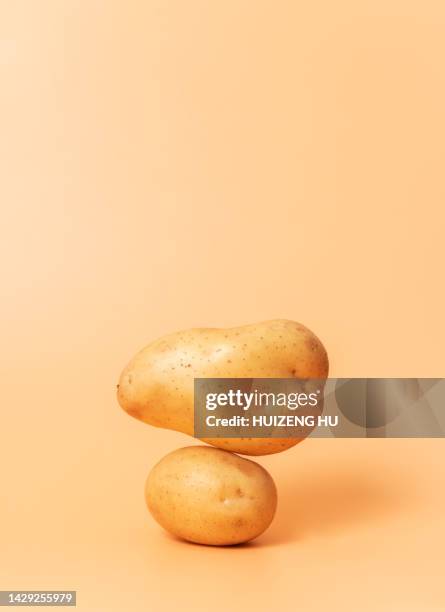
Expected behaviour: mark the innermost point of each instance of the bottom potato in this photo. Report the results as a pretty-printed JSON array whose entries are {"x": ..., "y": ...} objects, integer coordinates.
[{"x": 210, "y": 496}]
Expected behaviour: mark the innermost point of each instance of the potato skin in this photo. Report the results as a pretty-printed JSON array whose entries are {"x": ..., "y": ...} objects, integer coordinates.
[
  {"x": 157, "y": 385},
  {"x": 210, "y": 496}
]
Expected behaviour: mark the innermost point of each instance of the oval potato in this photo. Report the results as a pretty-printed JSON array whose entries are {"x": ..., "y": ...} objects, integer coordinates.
[
  {"x": 157, "y": 385},
  {"x": 210, "y": 496}
]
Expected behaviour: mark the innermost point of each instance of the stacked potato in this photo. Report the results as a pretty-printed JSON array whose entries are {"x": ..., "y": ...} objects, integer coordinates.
[{"x": 203, "y": 494}]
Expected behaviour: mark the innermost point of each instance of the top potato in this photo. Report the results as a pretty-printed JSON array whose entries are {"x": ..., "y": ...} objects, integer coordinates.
[{"x": 157, "y": 385}]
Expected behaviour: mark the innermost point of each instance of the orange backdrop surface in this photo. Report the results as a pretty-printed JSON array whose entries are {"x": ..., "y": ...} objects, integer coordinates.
[{"x": 174, "y": 164}]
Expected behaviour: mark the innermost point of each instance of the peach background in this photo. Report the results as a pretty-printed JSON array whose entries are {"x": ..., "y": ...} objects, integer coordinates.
[{"x": 174, "y": 164}]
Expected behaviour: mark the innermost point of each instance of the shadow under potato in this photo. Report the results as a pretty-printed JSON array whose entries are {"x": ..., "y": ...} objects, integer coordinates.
[
  {"x": 239, "y": 546},
  {"x": 331, "y": 500}
]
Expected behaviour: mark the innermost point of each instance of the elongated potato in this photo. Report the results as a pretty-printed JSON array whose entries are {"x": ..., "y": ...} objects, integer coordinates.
[
  {"x": 210, "y": 496},
  {"x": 157, "y": 385}
]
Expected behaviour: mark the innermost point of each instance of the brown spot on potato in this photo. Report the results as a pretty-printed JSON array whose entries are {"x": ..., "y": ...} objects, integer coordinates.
[{"x": 312, "y": 344}]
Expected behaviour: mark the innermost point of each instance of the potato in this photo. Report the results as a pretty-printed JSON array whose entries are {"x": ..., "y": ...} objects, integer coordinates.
[
  {"x": 210, "y": 496},
  {"x": 157, "y": 386}
]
